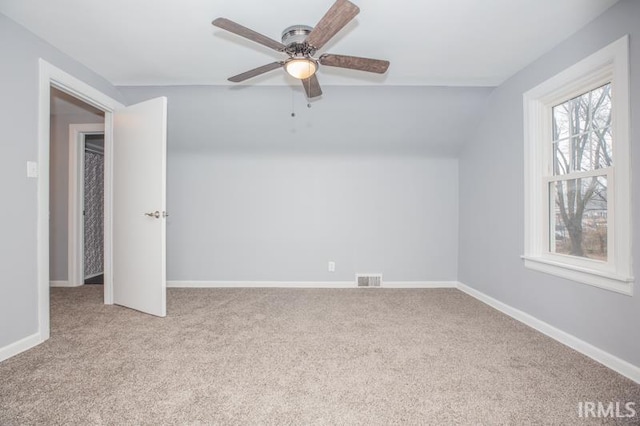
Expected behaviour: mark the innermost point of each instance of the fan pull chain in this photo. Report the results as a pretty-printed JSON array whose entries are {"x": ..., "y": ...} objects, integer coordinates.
[{"x": 293, "y": 104}]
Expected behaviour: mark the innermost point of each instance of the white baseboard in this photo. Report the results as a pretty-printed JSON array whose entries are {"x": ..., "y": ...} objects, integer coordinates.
[
  {"x": 605, "y": 358},
  {"x": 420, "y": 284},
  {"x": 63, "y": 284},
  {"x": 20, "y": 346},
  {"x": 306, "y": 284},
  {"x": 260, "y": 284}
]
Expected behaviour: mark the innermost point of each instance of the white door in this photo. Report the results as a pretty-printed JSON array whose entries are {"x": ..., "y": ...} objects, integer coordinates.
[{"x": 139, "y": 205}]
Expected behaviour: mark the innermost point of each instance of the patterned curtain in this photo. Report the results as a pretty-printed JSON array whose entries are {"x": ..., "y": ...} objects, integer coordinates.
[{"x": 93, "y": 213}]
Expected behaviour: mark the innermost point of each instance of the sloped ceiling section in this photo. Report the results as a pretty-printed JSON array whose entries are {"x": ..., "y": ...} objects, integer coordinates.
[
  {"x": 432, "y": 121},
  {"x": 435, "y": 42}
]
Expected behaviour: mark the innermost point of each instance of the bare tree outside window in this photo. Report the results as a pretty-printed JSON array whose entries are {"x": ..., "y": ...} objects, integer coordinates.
[{"x": 582, "y": 151}]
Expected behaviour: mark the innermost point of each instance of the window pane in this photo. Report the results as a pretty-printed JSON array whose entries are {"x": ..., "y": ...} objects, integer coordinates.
[
  {"x": 580, "y": 117},
  {"x": 598, "y": 151},
  {"x": 562, "y": 157},
  {"x": 578, "y": 217},
  {"x": 601, "y": 105},
  {"x": 581, "y": 153},
  {"x": 582, "y": 113},
  {"x": 582, "y": 132},
  {"x": 561, "y": 121}
]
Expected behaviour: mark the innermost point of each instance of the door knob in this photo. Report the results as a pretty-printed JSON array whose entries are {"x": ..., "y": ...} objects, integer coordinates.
[{"x": 155, "y": 214}]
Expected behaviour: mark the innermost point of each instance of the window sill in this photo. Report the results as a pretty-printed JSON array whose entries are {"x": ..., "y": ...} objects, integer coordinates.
[{"x": 605, "y": 280}]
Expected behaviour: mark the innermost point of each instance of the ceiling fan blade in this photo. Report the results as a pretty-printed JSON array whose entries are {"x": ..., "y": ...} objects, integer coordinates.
[
  {"x": 333, "y": 21},
  {"x": 355, "y": 63},
  {"x": 255, "y": 72},
  {"x": 245, "y": 32},
  {"x": 312, "y": 87}
]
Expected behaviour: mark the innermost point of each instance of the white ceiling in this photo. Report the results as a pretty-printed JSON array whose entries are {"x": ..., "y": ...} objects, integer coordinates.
[{"x": 429, "y": 42}]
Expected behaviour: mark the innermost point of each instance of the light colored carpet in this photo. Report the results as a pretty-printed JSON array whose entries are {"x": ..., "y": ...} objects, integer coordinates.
[{"x": 299, "y": 356}]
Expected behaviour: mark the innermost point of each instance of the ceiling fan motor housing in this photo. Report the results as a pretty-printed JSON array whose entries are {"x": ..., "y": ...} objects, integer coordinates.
[
  {"x": 294, "y": 37},
  {"x": 301, "y": 42}
]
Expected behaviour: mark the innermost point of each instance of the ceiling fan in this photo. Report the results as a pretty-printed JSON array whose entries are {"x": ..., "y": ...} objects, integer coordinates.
[{"x": 301, "y": 43}]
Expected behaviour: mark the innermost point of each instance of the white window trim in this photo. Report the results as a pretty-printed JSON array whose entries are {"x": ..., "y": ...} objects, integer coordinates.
[{"x": 611, "y": 62}]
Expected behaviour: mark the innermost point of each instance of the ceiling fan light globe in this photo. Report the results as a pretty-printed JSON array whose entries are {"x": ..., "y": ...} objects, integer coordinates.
[{"x": 301, "y": 68}]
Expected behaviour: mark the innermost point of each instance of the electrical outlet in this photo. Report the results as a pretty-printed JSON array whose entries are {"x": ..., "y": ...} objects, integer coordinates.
[{"x": 332, "y": 266}]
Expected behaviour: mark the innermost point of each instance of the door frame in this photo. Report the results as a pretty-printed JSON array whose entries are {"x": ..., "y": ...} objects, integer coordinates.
[
  {"x": 51, "y": 76},
  {"x": 75, "y": 256}
]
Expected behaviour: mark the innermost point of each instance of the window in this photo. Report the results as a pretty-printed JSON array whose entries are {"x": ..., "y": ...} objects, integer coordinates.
[
  {"x": 577, "y": 172},
  {"x": 577, "y": 186}
]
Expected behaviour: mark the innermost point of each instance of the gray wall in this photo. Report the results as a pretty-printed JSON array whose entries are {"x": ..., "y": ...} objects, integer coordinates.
[
  {"x": 491, "y": 203},
  {"x": 20, "y": 50},
  {"x": 59, "y": 184},
  {"x": 271, "y": 218},
  {"x": 366, "y": 178}
]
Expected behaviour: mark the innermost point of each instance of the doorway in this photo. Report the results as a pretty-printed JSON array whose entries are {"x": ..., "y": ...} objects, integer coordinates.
[
  {"x": 76, "y": 134},
  {"x": 50, "y": 78},
  {"x": 87, "y": 204},
  {"x": 141, "y": 131},
  {"x": 93, "y": 209}
]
